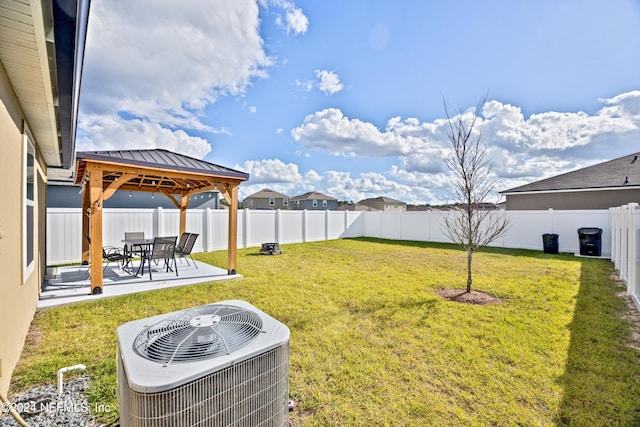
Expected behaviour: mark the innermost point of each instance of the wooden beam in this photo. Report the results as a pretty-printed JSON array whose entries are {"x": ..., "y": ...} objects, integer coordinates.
[
  {"x": 223, "y": 187},
  {"x": 114, "y": 186},
  {"x": 184, "y": 204},
  {"x": 173, "y": 199},
  {"x": 142, "y": 171},
  {"x": 232, "y": 247},
  {"x": 95, "y": 212}
]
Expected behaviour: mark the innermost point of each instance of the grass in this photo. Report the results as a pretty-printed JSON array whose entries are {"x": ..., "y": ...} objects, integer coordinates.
[{"x": 373, "y": 345}]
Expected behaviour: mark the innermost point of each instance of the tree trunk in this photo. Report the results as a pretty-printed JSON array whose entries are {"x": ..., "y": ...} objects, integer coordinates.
[{"x": 469, "y": 256}]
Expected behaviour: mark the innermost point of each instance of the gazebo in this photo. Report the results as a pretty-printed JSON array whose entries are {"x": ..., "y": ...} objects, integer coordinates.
[{"x": 102, "y": 173}]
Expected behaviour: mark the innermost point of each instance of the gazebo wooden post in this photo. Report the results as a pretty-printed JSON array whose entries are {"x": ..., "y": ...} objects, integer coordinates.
[
  {"x": 184, "y": 203},
  {"x": 85, "y": 224},
  {"x": 232, "y": 247},
  {"x": 95, "y": 200}
]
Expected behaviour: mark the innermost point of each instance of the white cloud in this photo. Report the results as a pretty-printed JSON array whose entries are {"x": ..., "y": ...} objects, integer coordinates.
[
  {"x": 331, "y": 131},
  {"x": 329, "y": 82},
  {"x": 270, "y": 171},
  {"x": 306, "y": 85},
  {"x": 296, "y": 21},
  {"x": 158, "y": 64},
  {"x": 521, "y": 149},
  {"x": 97, "y": 133}
]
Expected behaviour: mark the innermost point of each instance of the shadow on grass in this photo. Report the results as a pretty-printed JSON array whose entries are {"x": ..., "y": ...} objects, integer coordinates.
[{"x": 601, "y": 382}]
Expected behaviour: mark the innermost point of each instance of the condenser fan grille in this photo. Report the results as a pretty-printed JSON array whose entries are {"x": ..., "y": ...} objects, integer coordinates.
[{"x": 195, "y": 334}]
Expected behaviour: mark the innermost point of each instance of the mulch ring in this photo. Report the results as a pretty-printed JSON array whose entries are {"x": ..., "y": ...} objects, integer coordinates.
[{"x": 464, "y": 297}]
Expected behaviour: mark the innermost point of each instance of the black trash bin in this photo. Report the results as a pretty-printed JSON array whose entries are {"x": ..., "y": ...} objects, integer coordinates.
[
  {"x": 590, "y": 241},
  {"x": 550, "y": 243}
]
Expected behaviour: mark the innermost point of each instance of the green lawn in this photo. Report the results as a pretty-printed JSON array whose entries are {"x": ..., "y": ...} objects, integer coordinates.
[{"x": 372, "y": 344}]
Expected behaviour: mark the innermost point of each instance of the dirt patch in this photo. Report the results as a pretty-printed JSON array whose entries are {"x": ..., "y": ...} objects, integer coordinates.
[
  {"x": 632, "y": 314},
  {"x": 464, "y": 297}
]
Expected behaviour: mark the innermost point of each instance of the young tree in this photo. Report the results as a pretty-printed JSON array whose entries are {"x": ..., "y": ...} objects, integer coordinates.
[{"x": 470, "y": 226}]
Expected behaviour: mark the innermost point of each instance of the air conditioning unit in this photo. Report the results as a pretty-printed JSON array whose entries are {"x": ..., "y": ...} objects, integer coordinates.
[{"x": 221, "y": 364}]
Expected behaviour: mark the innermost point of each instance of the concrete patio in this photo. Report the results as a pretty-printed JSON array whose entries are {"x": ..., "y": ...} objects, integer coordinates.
[{"x": 71, "y": 284}]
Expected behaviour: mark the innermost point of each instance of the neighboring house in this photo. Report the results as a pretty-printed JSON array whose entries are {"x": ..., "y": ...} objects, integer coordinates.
[
  {"x": 266, "y": 199},
  {"x": 354, "y": 207},
  {"x": 41, "y": 51},
  {"x": 63, "y": 193},
  {"x": 601, "y": 186},
  {"x": 382, "y": 203},
  {"x": 418, "y": 208},
  {"x": 314, "y": 201}
]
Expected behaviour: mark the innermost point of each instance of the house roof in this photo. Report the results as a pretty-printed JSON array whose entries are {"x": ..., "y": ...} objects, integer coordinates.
[
  {"x": 618, "y": 173},
  {"x": 42, "y": 52},
  {"x": 313, "y": 195},
  {"x": 380, "y": 199},
  {"x": 266, "y": 193}
]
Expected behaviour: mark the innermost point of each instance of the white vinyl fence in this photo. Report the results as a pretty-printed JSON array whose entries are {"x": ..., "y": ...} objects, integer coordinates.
[
  {"x": 625, "y": 251},
  {"x": 64, "y": 227}
]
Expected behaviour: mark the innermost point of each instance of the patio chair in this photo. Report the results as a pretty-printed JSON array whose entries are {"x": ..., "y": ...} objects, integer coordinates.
[
  {"x": 182, "y": 241},
  {"x": 112, "y": 254},
  {"x": 187, "y": 248},
  {"x": 164, "y": 248},
  {"x": 133, "y": 235}
]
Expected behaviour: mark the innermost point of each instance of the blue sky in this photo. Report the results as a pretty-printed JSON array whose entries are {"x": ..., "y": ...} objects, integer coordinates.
[{"x": 347, "y": 97}]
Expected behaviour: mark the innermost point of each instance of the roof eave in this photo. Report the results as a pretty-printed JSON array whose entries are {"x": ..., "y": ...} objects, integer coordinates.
[
  {"x": 513, "y": 192},
  {"x": 70, "y": 30}
]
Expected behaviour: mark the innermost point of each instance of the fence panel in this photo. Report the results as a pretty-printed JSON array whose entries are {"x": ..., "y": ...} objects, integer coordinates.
[
  {"x": 260, "y": 227},
  {"x": 64, "y": 235},
  {"x": 335, "y": 224},
  {"x": 315, "y": 226},
  {"x": 354, "y": 225},
  {"x": 291, "y": 227}
]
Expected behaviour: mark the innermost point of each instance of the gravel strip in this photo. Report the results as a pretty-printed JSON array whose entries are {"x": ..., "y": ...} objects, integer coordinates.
[{"x": 42, "y": 407}]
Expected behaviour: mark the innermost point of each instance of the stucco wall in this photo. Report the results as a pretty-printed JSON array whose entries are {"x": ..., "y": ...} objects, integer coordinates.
[
  {"x": 603, "y": 199},
  {"x": 18, "y": 294}
]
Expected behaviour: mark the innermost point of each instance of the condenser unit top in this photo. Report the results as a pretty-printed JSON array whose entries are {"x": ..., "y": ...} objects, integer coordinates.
[{"x": 162, "y": 352}]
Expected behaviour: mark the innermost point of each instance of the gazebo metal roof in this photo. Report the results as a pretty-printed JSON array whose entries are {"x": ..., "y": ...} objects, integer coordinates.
[{"x": 157, "y": 170}]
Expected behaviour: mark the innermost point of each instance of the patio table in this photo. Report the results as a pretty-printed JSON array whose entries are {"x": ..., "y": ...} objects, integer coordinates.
[{"x": 146, "y": 247}]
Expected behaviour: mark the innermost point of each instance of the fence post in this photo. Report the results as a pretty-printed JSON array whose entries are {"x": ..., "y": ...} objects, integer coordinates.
[
  {"x": 206, "y": 226},
  {"x": 304, "y": 225},
  {"x": 276, "y": 225},
  {"x": 245, "y": 233},
  {"x": 613, "y": 214},
  {"x": 326, "y": 224},
  {"x": 631, "y": 252},
  {"x": 619, "y": 226},
  {"x": 159, "y": 231},
  {"x": 346, "y": 223},
  {"x": 624, "y": 243}
]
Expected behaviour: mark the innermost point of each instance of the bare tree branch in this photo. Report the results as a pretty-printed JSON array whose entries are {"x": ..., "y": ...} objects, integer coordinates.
[{"x": 470, "y": 226}]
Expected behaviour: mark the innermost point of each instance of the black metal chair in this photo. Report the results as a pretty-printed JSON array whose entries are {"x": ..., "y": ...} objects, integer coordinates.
[
  {"x": 182, "y": 241},
  {"x": 112, "y": 254},
  {"x": 164, "y": 248},
  {"x": 187, "y": 248}
]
